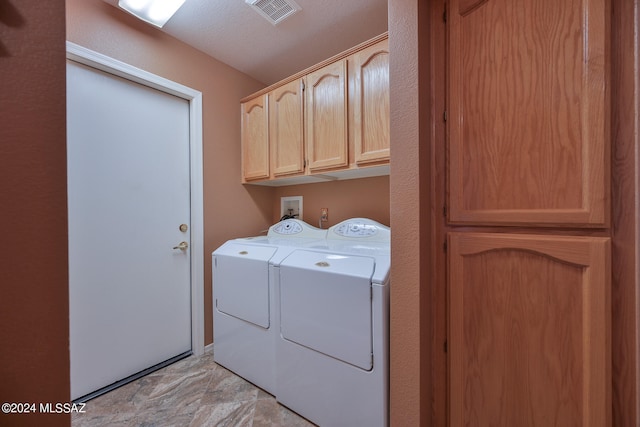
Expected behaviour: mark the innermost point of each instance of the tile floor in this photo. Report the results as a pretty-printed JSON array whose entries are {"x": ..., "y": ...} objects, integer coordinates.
[{"x": 192, "y": 392}]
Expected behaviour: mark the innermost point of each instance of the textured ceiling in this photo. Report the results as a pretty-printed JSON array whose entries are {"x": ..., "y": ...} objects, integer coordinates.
[{"x": 234, "y": 33}]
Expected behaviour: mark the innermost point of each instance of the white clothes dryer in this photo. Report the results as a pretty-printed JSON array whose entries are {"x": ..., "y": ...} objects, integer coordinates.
[
  {"x": 332, "y": 351},
  {"x": 244, "y": 313}
]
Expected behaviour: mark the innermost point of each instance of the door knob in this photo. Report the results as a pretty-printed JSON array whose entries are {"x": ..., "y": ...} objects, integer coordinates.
[{"x": 182, "y": 246}]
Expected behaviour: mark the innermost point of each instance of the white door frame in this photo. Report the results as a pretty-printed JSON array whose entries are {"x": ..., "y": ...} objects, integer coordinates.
[{"x": 104, "y": 63}]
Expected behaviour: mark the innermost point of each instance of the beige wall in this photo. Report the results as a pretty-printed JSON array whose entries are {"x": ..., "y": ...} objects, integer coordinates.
[
  {"x": 34, "y": 298},
  {"x": 365, "y": 198}
]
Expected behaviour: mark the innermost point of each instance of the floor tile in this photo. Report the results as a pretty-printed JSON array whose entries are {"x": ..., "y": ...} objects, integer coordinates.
[{"x": 192, "y": 392}]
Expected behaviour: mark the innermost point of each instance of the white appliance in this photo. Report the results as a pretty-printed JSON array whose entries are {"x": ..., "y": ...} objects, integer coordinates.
[
  {"x": 332, "y": 349},
  {"x": 245, "y": 306}
]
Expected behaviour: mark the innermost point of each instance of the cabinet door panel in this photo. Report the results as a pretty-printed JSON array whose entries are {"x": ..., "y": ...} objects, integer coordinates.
[
  {"x": 255, "y": 139},
  {"x": 527, "y": 116},
  {"x": 326, "y": 116},
  {"x": 529, "y": 337},
  {"x": 286, "y": 129},
  {"x": 371, "y": 103}
]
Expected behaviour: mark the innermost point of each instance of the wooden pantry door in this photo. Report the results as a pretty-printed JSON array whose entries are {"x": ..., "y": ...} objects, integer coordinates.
[{"x": 527, "y": 205}]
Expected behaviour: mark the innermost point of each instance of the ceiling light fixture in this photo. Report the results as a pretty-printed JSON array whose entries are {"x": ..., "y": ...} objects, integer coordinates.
[{"x": 155, "y": 12}]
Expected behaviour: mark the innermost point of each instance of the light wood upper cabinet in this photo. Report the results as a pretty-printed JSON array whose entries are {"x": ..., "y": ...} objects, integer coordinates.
[
  {"x": 529, "y": 330},
  {"x": 371, "y": 103},
  {"x": 528, "y": 128},
  {"x": 286, "y": 134},
  {"x": 330, "y": 121},
  {"x": 327, "y": 117},
  {"x": 255, "y": 139}
]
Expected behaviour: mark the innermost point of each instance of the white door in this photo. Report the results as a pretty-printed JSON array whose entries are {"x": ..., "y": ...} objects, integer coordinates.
[{"x": 128, "y": 194}]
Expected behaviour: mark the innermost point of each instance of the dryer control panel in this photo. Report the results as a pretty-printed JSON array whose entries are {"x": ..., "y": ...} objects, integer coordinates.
[
  {"x": 360, "y": 229},
  {"x": 355, "y": 229}
]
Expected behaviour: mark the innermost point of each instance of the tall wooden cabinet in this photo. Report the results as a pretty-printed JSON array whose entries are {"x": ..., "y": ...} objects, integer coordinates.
[
  {"x": 528, "y": 119},
  {"x": 528, "y": 189},
  {"x": 529, "y": 330}
]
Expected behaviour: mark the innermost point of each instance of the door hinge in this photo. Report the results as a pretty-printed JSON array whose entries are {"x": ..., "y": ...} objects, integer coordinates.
[
  {"x": 444, "y": 15},
  {"x": 444, "y": 115},
  {"x": 444, "y": 211},
  {"x": 445, "y": 347},
  {"x": 302, "y": 85},
  {"x": 444, "y": 246}
]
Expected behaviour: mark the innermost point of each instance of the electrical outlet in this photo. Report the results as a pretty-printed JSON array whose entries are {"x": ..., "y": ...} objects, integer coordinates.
[{"x": 324, "y": 214}]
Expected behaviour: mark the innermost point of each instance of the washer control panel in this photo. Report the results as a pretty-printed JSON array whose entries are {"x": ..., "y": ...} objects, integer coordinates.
[{"x": 287, "y": 227}]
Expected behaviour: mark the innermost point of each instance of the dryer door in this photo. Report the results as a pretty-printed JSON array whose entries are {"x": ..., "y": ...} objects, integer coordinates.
[
  {"x": 325, "y": 304},
  {"x": 241, "y": 281}
]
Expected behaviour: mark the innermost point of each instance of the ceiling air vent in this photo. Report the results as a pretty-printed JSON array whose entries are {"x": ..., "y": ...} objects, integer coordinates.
[{"x": 275, "y": 11}]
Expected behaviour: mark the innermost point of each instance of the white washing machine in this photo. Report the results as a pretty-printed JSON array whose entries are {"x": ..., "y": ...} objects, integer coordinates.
[
  {"x": 244, "y": 314},
  {"x": 332, "y": 350}
]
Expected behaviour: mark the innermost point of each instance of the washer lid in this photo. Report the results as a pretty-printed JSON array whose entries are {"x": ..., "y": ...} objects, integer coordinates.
[
  {"x": 325, "y": 304},
  {"x": 241, "y": 281}
]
